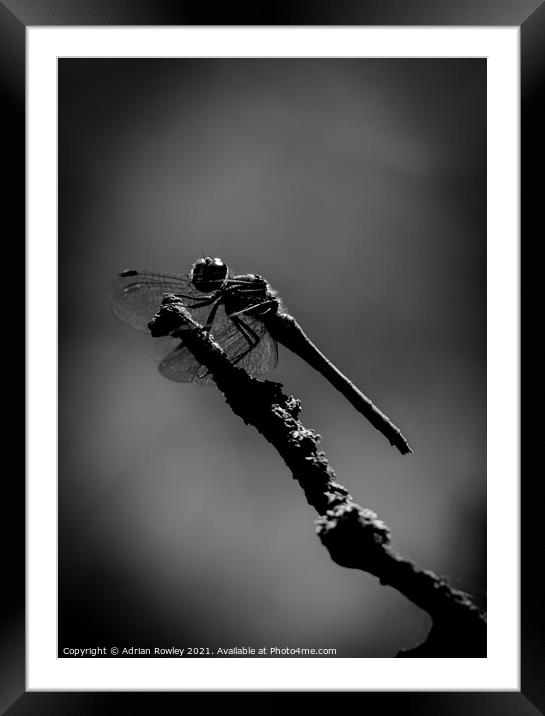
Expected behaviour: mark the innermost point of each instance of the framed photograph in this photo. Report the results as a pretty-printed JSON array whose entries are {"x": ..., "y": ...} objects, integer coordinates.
[{"x": 331, "y": 204}]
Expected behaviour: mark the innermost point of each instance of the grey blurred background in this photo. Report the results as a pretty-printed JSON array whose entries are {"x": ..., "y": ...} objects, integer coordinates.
[{"x": 358, "y": 189}]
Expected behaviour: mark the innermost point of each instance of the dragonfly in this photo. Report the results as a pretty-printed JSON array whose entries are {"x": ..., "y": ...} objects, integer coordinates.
[{"x": 245, "y": 316}]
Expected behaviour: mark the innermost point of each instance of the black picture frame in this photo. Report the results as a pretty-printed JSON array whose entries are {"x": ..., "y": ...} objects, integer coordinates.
[{"x": 15, "y": 17}]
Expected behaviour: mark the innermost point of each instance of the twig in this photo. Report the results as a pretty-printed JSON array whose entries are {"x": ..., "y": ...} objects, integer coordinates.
[{"x": 354, "y": 536}]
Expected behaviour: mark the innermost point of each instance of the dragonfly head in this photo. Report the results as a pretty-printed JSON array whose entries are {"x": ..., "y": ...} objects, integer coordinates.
[{"x": 208, "y": 274}]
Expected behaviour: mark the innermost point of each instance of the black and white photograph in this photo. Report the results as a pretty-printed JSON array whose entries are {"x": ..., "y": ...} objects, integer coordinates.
[
  {"x": 290, "y": 461},
  {"x": 273, "y": 366}
]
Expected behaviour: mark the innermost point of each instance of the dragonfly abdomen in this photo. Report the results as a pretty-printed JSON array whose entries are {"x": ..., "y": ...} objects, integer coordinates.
[{"x": 285, "y": 329}]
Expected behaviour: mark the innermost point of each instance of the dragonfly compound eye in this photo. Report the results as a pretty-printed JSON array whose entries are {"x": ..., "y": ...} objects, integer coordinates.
[{"x": 208, "y": 274}]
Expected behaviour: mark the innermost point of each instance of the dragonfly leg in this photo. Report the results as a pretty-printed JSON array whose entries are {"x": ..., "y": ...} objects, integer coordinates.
[
  {"x": 192, "y": 298},
  {"x": 200, "y": 304},
  {"x": 240, "y": 282},
  {"x": 265, "y": 305},
  {"x": 248, "y": 333},
  {"x": 208, "y": 325}
]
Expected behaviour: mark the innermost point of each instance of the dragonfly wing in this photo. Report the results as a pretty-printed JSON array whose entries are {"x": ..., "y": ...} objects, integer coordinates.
[
  {"x": 163, "y": 346},
  {"x": 181, "y": 366},
  {"x": 262, "y": 358},
  {"x": 236, "y": 340},
  {"x": 136, "y": 296},
  {"x": 178, "y": 363}
]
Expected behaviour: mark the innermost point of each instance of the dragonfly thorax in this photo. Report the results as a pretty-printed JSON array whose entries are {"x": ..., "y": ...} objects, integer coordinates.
[
  {"x": 209, "y": 274},
  {"x": 250, "y": 294}
]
